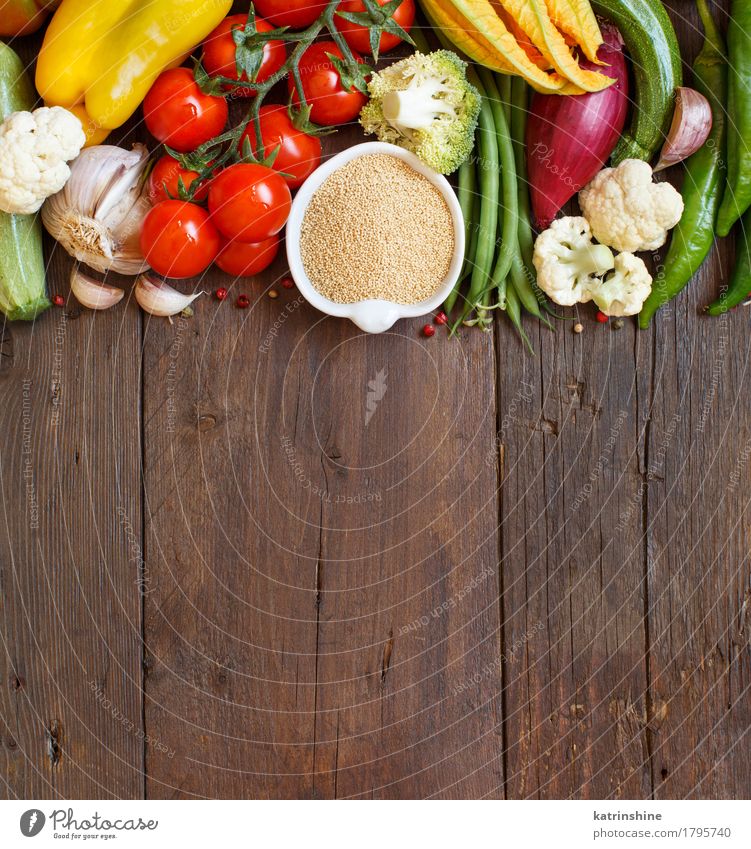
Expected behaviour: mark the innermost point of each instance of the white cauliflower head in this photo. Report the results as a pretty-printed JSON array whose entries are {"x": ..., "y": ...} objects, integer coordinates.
[
  {"x": 627, "y": 211},
  {"x": 35, "y": 148},
  {"x": 623, "y": 290},
  {"x": 568, "y": 264}
]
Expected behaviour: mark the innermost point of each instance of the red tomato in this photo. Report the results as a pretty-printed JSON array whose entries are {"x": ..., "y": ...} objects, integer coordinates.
[
  {"x": 299, "y": 153},
  {"x": 244, "y": 259},
  {"x": 163, "y": 180},
  {"x": 248, "y": 202},
  {"x": 323, "y": 89},
  {"x": 178, "y": 239},
  {"x": 358, "y": 37},
  {"x": 179, "y": 114},
  {"x": 219, "y": 53},
  {"x": 290, "y": 13}
]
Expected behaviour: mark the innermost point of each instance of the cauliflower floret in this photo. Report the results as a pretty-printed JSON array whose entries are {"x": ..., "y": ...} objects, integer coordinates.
[
  {"x": 35, "y": 148},
  {"x": 623, "y": 290},
  {"x": 627, "y": 210},
  {"x": 568, "y": 264}
]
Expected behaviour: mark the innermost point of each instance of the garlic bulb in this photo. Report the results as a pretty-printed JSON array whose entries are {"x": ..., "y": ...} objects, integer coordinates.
[
  {"x": 97, "y": 216},
  {"x": 157, "y": 298},
  {"x": 93, "y": 294}
]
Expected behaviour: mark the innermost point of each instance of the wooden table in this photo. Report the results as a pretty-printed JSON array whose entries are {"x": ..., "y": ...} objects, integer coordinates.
[{"x": 259, "y": 554}]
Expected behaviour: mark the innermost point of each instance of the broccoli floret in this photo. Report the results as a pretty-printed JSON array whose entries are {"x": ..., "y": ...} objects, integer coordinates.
[{"x": 425, "y": 104}]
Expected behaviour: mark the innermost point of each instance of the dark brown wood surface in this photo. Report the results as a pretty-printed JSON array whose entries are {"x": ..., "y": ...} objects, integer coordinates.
[{"x": 228, "y": 570}]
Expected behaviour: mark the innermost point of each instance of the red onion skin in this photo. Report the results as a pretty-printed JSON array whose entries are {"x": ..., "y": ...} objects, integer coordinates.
[{"x": 570, "y": 137}]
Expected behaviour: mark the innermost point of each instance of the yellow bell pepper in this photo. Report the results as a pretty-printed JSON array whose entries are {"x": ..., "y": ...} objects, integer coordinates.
[{"x": 102, "y": 56}]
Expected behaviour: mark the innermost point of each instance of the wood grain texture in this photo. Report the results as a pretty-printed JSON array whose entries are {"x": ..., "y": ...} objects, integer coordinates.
[
  {"x": 574, "y": 682},
  {"x": 698, "y": 542},
  {"x": 698, "y": 473},
  {"x": 374, "y": 567},
  {"x": 300, "y": 547},
  {"x": 71, "y": 705}
]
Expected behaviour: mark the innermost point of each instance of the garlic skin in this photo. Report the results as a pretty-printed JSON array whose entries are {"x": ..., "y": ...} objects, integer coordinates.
[
  {"x": 158, "y": 298},
  {"x": 97, "y": 216},
  {"x": 93, "y": 294},
  {"x": 689, "y": 129}
]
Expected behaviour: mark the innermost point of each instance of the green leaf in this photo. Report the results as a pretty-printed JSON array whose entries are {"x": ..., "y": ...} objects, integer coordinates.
[
  {"x": 352, "y": 75},
  {"x": 248, "y": 60},
  {"x": 300, "y": 117},
  {"x": 378, "y": 20},
  {"x": 207, "y": 84},
  {"x": 250, "y": 45}
]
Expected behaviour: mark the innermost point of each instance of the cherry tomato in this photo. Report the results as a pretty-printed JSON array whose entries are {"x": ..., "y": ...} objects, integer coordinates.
[
  {"x": 179, "y": 114},
  {"x": 323, "y": 89},
  {"x": 244, "y": 259},
  {"x": 358, "y": 37},
  {"x": 248, "y": 202},
  {"x": 163, "y": 180},
  {"x": 178, "y": 239},
  {"x": 290, "y": 13},
  {"x": 299, "y": 153},
  {"x": 219, "y": 53}
]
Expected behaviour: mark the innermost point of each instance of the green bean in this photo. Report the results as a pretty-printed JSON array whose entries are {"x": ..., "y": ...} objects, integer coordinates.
[
  {"x": 484, "y": 321},
  {"x": 524, "y": 287},
  {"x": 489, "y": 181},
  {"x": 466, "y": 194},
  {"x": 519, "y": 105},
  {"x": 504, "y": 89},
  {"x": 501, "y": 290},
  {"x": 420, "y": 40},
  {"x": 514, "y": 312},
  {"x": 507, "y": 233}
]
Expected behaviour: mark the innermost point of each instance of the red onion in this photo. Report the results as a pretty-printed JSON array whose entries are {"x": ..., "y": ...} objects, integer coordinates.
[{"x": 570, "y": 137}]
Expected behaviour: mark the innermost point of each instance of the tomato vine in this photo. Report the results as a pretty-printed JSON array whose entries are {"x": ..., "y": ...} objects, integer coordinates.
[{"x": 216, "y": 153}]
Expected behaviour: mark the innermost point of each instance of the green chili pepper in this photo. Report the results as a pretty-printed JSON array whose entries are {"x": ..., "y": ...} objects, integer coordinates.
[
  {"x": 702, "y": 184},
  {"x": 739, "y": 286},
  {"x": 737, "y": 195}
]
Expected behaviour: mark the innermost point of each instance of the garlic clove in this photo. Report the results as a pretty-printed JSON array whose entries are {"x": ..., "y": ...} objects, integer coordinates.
[
  {"x": 93, "y": 294},
  {"x": 158, "y": 298},
  {"x": 690, "y": 127}
]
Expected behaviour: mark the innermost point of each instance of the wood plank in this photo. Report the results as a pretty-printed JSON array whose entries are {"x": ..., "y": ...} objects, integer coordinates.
[
  {"x": 226, "y": 600},
  {"x": 409, "y": 614},
  {"x": 699, "y": 538},
  {"x": 574, "y": 671},
  {"x": 70, "y": 704},
  {"x": 295, "y": 552}
]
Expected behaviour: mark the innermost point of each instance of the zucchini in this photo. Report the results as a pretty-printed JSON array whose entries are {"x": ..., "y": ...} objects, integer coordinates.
[
  {"x": 22, "y": 283},
  {"x": 656, "y": 60}
]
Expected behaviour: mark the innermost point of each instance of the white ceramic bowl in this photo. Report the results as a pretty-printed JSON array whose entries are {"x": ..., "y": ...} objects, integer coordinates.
[{"x": 374, "y": 315}]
